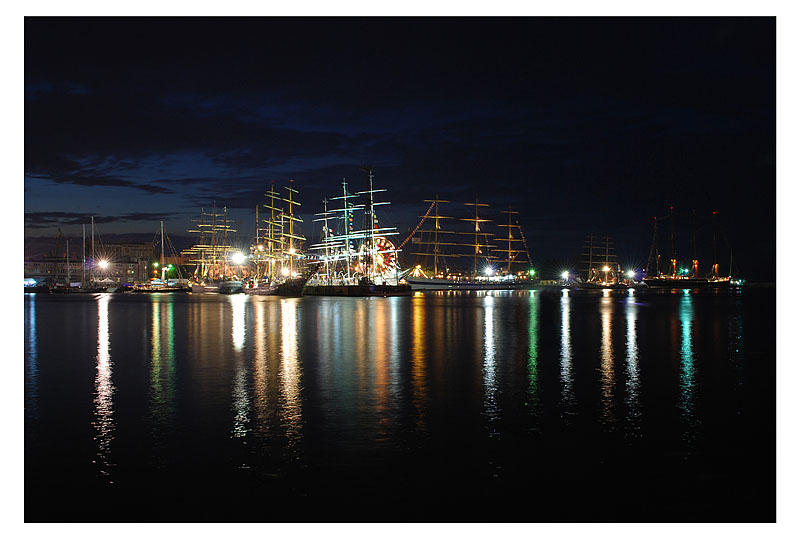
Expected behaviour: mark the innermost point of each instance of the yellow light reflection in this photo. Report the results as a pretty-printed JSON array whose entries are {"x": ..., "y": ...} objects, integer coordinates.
[
  {"x": 606, "y": 362},
  {"x": 260, "y": 392},
  {"x": 238, "y": 306},
  {"x": 241, "y": 396},
  {"x": 291, "y": 413},
  {"x": 418, "y": 336},
  {"x": 103, "y": 422}
]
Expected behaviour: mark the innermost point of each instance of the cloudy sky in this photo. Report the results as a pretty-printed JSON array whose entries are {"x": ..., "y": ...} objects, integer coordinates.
[{"x": 581, "y": 124}]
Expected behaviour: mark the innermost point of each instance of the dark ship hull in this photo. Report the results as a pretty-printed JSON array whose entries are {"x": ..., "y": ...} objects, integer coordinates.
[
  {"x": 358, "y": 290},
  {"x": 678, "y": 283}
]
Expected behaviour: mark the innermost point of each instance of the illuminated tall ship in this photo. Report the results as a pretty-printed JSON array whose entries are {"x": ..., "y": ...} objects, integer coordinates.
[
  {"x": 598, "y": 265},
  {"x": 498, "y": 261},
  {"x": 276, "y": 254},
  {"x": 668, "y": 274},
  {"x": 214, "y": 271},
  {"x": 352, "y": 261}
]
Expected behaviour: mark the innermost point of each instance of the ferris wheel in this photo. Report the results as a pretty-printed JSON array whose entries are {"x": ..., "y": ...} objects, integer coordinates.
[{"x": 385, "y": 255}]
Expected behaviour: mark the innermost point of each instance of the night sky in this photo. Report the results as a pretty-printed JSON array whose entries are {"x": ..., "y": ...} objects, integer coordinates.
[{"x": 581, "y": 124}]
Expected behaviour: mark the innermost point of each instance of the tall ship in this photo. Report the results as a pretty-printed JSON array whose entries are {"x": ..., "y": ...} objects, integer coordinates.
[
  {"x": 277, "y": 254},
  {"x": 216, "y": 263},
  {"x": 469, "y": 257},
  {"x": 598, "y": 266},
  {"x": 667, "y": 273},
  {"x": 354, "y": 260}
]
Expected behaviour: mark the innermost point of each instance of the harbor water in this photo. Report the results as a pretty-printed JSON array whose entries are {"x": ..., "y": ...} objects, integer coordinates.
[{"x": 442, "y": 406}]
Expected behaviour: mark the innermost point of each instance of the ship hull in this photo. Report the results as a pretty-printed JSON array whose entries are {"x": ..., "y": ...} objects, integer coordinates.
[
  {"x": 290, "y": 288},
  {"x": 447, "y": 284},
  {"x": 358, "y": 290},
  {"x": 685, "y": 283},
  {"x": 600, "y": 286}
]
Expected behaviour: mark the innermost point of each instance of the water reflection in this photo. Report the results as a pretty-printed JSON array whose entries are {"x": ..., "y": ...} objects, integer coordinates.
[
  {"x": 32, "y": 361},
  {"x": 607, "y": 412},
  {"x": 418, "y": 354},
  {"x": 238, "y": 306},
  {"x": 103, "y": 423},
  {"x": 289, "y": 377},
  {"x": 260, "y": 365},
  {"x": 241, "y": 391},
  {"x": 567, "y": 376},
  {"x": 489, "y": 367},
  {"x": 687, "y": 381},
  {"x": 632, "y": 390},
  {"x": 533, "y": 350},
  {"x": 162, "y": 367}
]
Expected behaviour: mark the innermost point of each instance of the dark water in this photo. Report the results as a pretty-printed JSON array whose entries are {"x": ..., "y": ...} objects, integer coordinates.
[{"x": 498, "y": 406}]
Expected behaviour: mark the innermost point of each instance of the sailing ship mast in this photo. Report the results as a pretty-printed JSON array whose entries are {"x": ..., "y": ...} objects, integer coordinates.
[
  {"x": 477, "y": 235},
  {"x": 210, "y": 254},
  {"x": 375, "y": 256},
  {"x": 288, "y": 215},
  {"x": 326, "y": 244},
  {"x": 436, "y": 232},
  {"x": 510, "y": 253}
]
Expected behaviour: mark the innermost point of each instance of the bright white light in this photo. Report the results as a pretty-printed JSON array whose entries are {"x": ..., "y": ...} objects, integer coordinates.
[
  {"x": 291, "y": 250},
  {"x": 488, "y": 271},
  {"x": 237, "y": 258},
  {"x": 285, "y": 272},
  {"x": 103, "y": 264},
  {"x": 260, "y": 247},
  {"x": 565, "y": 275},
  {"x": 606, "y": 268},
  {"x": 631, "y": 274}
]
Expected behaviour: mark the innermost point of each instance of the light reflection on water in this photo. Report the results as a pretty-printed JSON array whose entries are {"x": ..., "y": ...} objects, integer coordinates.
[
  {"x": 162, "y": 374},
  {"x": 607, "y": 411},
  {"x": 418, "y": 358},
  {"x": 687, "y": 381},
  {"x": 310, "y": 383},
  {"x": 31, "y": 360},
  {"x": 491, "y": 408},
  {"x": 632, "y": 383},
  {"x": 241, "y": 391},
  {"x": 533, "y": 350},
  {"x": 566, "y": 374},
  {"x": 290, "y": 373},
  {"x": 103, "y": 422}
]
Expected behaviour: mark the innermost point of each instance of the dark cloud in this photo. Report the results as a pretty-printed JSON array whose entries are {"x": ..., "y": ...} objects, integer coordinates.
[
  {"x": 87, "y": 172},
  {"x": 52, "y": 219}
]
